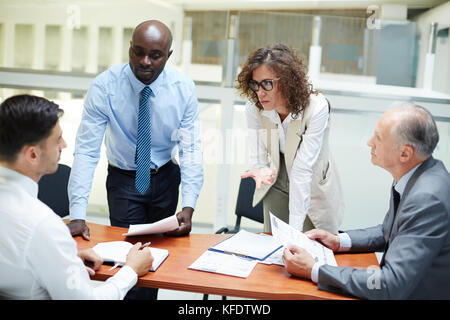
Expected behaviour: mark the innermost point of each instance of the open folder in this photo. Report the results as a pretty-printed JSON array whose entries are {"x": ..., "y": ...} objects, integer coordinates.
[
  {"x": 237, "y": 255},
  {"x": 248, "y": 244},
  {"x": 117, "y": 251}
]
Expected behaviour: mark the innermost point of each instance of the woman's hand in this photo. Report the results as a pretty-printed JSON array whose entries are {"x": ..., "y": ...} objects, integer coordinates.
[{"x": 261, "y": 176}]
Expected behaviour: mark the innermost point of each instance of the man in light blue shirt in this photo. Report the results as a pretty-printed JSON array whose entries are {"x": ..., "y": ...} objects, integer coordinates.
[{"x": 112, "y": 110}]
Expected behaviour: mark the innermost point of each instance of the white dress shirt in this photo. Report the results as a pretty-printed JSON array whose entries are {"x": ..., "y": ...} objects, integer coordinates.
[
  {"x": 38, "y": 256},
  {"x": 301, "y": 173}
]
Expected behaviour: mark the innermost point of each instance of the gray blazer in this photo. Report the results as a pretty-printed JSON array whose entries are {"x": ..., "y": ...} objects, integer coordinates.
[{"x": 416, "y": 264}]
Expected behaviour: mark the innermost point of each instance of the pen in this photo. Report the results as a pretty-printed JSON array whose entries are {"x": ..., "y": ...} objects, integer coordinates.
[
  {"x": 107, "y": 262},
  {"x": 145, "y": 245}
]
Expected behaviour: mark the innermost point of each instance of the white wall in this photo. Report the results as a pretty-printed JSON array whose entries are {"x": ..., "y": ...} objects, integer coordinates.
[
  {"x": 119, "y": 15},
  {"x": 440, "y": 14}
]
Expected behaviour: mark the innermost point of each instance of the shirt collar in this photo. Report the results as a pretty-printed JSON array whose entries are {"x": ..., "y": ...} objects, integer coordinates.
[
  {"x": 12, "y": 176},
  {"x": 137, "y": 85},
  {"x": 401, "y": 184}
]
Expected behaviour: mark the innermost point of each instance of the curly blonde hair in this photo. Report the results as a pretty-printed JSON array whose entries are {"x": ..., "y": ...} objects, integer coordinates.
[{"x": 293, "y": 83}]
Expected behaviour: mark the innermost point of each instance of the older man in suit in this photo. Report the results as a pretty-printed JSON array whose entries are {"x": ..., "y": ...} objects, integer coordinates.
[{"x": 415, "y": 234}]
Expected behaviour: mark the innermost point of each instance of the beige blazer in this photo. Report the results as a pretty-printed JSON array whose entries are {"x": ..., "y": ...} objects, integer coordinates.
[{"x": 326, "y": 203}]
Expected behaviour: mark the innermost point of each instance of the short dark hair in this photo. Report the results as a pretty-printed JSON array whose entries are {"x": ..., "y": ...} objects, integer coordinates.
[{"x": 25, "y": 120}]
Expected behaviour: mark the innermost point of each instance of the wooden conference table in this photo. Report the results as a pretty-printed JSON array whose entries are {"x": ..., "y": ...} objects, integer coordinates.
[{"x": 268, "y": 282}]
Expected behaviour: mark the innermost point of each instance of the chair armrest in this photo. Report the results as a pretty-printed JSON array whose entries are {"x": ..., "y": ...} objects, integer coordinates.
[{"x": 222, "y": 230}]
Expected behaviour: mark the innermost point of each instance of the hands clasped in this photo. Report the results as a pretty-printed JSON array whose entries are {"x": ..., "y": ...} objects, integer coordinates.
[{"x": 261, "y": 176}]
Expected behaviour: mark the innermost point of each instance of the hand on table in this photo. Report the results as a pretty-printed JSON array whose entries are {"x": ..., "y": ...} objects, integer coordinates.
[
  {"x": 94, "y": 259},
  {"x": 78, "y": 227}
]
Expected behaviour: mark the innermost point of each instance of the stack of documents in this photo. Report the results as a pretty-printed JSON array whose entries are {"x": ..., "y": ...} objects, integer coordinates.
[
  {"x": 238, "y": 255},
  {"x": 231, "y": 265}
]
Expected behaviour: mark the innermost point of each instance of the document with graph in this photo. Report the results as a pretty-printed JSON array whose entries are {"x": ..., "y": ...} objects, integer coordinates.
[{"x": 285, "y": 235}]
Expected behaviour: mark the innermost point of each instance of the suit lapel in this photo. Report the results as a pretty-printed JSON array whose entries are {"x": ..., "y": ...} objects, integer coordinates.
[
  {"x": 421, "y": 169},
  {"x": 424, "y": 166},
  {"x": 392, "y": 226},
  {"x": 293, "y": 140}
]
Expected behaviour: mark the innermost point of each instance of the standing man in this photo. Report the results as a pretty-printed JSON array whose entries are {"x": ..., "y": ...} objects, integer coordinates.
[
  {"x": 140, "y": 101},
  {"x": 415, "y": 234},
  {"x": 144, "y": 109},
  {"x": 38, "y": 256}
]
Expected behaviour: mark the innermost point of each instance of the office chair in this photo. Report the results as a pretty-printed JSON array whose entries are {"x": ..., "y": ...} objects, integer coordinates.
[
  {"x": 53, "y": 190},
  {"x": 244, "y": 208}
]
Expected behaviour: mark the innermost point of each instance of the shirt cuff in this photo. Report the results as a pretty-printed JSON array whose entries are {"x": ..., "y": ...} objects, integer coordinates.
[
  {"x": 126, "y": 278},
  {"x": 315, "y": 272},
  {"x": 345, "y": 243},
  {"x": 188, "y": 201},
  {"x": 77, "y": 212}
]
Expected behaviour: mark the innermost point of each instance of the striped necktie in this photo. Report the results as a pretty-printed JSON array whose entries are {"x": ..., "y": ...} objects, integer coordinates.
[{"x": 144, "y": 143}]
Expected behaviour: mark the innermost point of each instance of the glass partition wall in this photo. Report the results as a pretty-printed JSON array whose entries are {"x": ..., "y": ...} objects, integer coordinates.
[{"x": 361, "y": 70}]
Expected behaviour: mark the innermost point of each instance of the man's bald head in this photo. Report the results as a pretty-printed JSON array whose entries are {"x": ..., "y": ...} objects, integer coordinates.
[
  {"x": 149, "y": 50},
  {"x": 155, "y": 30}
]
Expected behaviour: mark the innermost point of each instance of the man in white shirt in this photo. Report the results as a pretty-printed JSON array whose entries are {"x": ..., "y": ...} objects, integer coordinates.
[
  {"x": 38, "y": 256},
  {"x": 415, "y": 233}
]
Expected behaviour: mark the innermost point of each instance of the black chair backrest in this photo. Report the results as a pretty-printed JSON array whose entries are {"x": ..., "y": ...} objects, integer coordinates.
[
  {"x": 53, "y": 190},
  {"x": 244, "y": 201}
]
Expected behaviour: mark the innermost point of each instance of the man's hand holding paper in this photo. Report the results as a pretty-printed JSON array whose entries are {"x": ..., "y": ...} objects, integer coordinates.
[
  {"x": 298, "y": 261},
  {"x": 301, "y": 252},
  {"x": 326, "y": 238}
]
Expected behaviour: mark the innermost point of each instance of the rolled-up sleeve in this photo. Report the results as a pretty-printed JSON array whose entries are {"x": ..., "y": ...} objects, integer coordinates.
[
  {"x": 190, "y": 153},
  {"x": 87, "y": 151}
]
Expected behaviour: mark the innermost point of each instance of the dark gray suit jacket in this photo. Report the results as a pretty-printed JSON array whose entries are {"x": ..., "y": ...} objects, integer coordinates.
[{"x": 417, "y": 261}]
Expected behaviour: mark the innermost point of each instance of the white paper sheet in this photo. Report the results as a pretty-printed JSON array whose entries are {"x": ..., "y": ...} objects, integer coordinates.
[
  {"x": 223, "y": 263},
  {"x": 161, "y": 226},
  {"x": 287, "y": 235}
]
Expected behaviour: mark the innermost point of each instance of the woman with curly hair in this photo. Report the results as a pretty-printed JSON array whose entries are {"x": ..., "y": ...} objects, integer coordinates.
[{"x": 290, "y": 157}]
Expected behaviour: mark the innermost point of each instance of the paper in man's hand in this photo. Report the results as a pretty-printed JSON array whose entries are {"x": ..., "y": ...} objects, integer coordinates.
[{"x": 287, "y": 235}]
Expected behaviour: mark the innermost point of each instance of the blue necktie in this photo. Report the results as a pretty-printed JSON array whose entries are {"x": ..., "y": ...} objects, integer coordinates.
[{"x": 144, "y": 143}]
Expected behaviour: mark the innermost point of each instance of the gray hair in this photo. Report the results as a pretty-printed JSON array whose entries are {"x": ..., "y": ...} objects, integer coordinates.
[{"x": 416, "y": 128}]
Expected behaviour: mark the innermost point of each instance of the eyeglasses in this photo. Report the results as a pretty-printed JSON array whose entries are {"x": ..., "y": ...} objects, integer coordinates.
[{"x": 266, "y": 84}]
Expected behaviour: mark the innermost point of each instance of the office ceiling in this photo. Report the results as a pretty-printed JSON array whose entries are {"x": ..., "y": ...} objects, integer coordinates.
[
  {"x": 237, "y": 4},
  {"x": 291, "y": 4}
]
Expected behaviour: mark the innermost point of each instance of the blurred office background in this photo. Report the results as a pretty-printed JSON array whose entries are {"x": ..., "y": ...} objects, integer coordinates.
[{"x": 363, "y": 55}]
